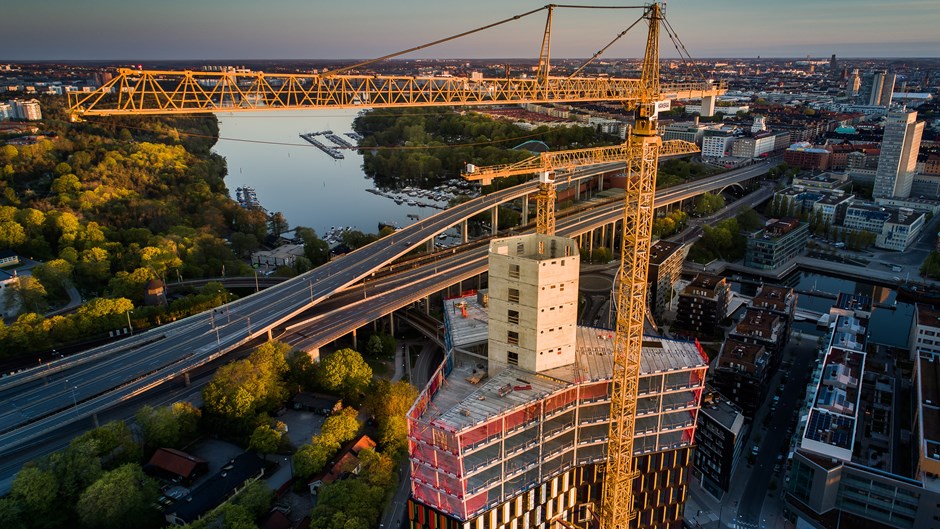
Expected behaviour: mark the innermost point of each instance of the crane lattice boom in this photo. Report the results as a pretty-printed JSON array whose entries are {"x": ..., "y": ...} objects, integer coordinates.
[{"x": 136, "y": 92}]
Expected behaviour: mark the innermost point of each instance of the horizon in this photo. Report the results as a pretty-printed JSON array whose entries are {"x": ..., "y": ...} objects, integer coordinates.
[{"x": 291, "y": 29}]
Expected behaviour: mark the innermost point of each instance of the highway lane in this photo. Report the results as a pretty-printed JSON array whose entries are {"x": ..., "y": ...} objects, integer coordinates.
[{"x": 208, "y": 337}]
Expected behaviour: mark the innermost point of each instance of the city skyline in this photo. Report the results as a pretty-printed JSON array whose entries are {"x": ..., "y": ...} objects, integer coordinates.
[{"x": 241, "y": 30}]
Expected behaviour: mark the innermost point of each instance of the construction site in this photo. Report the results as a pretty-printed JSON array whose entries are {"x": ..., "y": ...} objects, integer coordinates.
[
  {"x": 531, "y": 420},
  {"x": 495, "y": 444}
]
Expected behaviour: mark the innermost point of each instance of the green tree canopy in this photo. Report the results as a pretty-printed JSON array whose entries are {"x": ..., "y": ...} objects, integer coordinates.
[
  {"x": 345, "y": 372},
  {"x": 118, "y": 499}
]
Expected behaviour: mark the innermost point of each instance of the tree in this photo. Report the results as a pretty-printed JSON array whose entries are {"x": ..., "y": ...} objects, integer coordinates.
[
  {"x": 311, "y": 458},
  {"x": 167, "y": 426},
  {"x": 75, "y": 468},
  {"x": 377, "y": 468},
  {"x": 278, "y": 224},
  {"x": 374, "y": 346},
  {"x": 390, "y": 403},
  {"x": 256, "y": 498},
  {"x": 119, "y": 498},
  {"x": 347, "y": 504},
  {"x": 749, "y": 220},
  {"x": 300, "y": 371},
  {"x": 265, "y": 440},
  {"x": 55, "y": 276},
  {"x": 315, "y": 248},
  {"x": 114, "y": 443},
  {"x": 26, "y": 295},
  {"x": 341, "y": 427},
  {"x": 11, "y": 514},
  {"x": 36, "y": 491},
  {"x": 345, "y": 372}
]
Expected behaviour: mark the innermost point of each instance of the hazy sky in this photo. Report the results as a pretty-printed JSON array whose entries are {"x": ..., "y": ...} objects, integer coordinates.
[{"x": 341, "y": 29}]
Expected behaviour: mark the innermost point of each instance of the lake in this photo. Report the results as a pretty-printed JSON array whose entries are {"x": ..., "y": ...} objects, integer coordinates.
[{"x": 264, "y": 151}]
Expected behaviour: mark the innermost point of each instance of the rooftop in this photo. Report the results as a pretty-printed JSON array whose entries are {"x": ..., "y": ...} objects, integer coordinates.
[
  {"x": 831, "y": 428},
  {"x": 466, "y": 321},
  {"x": 853, "y": 302},
  {"x": 927, "y": 316},
  {"x": 460, "y": 404},
  {"x": 725, "y": 413},
  {"x": 662, "y": 250},
  {"x": 704, "y": 281},
  {"x": 748, "y": 356}
]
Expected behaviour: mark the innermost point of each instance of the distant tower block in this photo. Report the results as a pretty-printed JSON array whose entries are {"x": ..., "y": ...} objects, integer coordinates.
[
  {"x": 533, "y": 300},
  {"x": 759, "y": 125},
  {"x": 708, "y": 106}
]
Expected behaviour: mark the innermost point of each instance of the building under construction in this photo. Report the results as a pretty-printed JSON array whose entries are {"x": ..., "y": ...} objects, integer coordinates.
[{"x": 511, "y": 431}]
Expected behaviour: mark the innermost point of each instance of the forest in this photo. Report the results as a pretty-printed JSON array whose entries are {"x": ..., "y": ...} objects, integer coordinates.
[
  {"x": 431, "y": 145},
  {"x": 107, "y": 205}
]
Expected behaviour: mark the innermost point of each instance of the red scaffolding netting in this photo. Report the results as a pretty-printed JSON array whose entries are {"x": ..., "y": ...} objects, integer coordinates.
[
  {"x": 560, "y": 400},
  {"x": 480, "y": 433}
]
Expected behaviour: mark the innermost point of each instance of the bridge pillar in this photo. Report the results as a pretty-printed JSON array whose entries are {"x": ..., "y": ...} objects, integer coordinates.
[
  {"x": 427, "y": 305},
  {"x": 270, "y": 335},
  {"x": 391, "y": 323},
  {"x": 591, "y": 244},
  {"x": 600, "y": 183},
  {"x": 525, "y": 209},
  {"x": 495, "y": 219},
  {"x": 577, "y": 190},
  {"x": 94, "y": 420},
  {"x": 708, "y": 106},
  {"x": 355, "y": 341},
  {"x": 431, "y": 245},
  {"x": 463, "y": 231},
  {"x": 186, "y": 379}
]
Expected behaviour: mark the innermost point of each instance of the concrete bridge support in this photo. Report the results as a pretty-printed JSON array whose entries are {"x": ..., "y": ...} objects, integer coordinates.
[
  {"x": 525, "y": 209},
  {"x": 495, "y": 220},
  {"x": 463, "y": 231}
]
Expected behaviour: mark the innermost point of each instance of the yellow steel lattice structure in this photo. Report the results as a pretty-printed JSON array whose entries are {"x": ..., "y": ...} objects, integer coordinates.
[
  {"x": 136, "y": 92},
  {"x": 547, "y": 164}
]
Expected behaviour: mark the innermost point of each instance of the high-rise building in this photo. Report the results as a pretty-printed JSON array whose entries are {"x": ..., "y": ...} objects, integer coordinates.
[
  {"x": 871, "y": 86},
  {"x": 833, "y": 66},
  {"x": 25, "y": 109},
  {"x": 665, "y": 268},
  {"x": 855, "y": 83},
  {"x": 899, "y": 150},
  {"x": 502, "y": 444},
  {"x": 887, "y": 89}
]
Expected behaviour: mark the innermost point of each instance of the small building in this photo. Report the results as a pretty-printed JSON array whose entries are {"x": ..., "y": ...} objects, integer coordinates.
[
  {"x": 776, "y": 244},
  {"x": 703, "y": 303},
  {"x": 218, "y": 488},
  {"x": 155, "y": 293},
  {"x": 9, "y": 258},
  {"x": 720, "y": 437},
  {"x": 900, "y": 230},
  {"x": 168, "y": 463},
  {"x": 345, "y": 462}
]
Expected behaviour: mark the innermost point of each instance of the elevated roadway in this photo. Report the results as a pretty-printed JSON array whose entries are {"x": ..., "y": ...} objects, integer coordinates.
[{"x": 38, "y": 401}]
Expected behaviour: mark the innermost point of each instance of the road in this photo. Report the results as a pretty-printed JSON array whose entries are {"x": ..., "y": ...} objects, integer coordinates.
[
  {"x": 39, "y": 401},
  {"x": 773, "y": 438}
]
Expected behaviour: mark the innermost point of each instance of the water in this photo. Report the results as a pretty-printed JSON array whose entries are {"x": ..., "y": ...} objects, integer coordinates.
[
  {"x": 890, "y": 321},
  {"x": 304, "y": 183}
]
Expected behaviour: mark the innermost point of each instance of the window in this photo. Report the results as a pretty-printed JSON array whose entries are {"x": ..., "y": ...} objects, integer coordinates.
[
  {"x": 513, "y": 317},
  {"x": 520, "y": 249},
  {"x": 512, "y": 358},
  {"x": 514, "y": 295},
  {"x": 514, "y": 271},
  {"x": 512, "y": 337}
]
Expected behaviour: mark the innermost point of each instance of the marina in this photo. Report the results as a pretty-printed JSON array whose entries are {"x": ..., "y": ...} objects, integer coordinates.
[
  {"x": 248, "y": 198},
  {"x": 311, "y": 137},
  {"x": 340, "y": 141}
]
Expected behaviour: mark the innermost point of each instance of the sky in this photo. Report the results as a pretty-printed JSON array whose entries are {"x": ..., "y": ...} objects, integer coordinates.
[{"x": 138, "y": 30}]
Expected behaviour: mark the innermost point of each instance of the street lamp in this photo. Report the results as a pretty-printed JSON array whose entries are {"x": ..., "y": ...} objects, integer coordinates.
[{"x": 73, "y": 388}]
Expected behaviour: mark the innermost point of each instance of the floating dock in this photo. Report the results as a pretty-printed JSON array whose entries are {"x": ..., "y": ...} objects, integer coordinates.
[{"x": 311, "y": 137}]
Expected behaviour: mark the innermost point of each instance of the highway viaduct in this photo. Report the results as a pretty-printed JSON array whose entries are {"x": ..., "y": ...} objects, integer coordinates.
[{"x": 39, "y": 401}]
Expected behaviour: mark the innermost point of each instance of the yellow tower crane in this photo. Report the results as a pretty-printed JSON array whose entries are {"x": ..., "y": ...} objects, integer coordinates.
[
  {"x": 641, "y": 153},
  {"x": 152, "y": 92}
]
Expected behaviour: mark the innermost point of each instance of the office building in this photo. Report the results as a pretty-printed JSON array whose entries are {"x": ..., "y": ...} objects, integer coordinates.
[
  {"x": 776, "y": 244},
  {"x": 665, "y": 268},
  {"x": 805, "y": 156},
  {"x": 498, "y": 445},
  {"x": 716, "y": 143},
  {"x": 847, "y": 469},
  {"x": 898, "y": 160}
]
